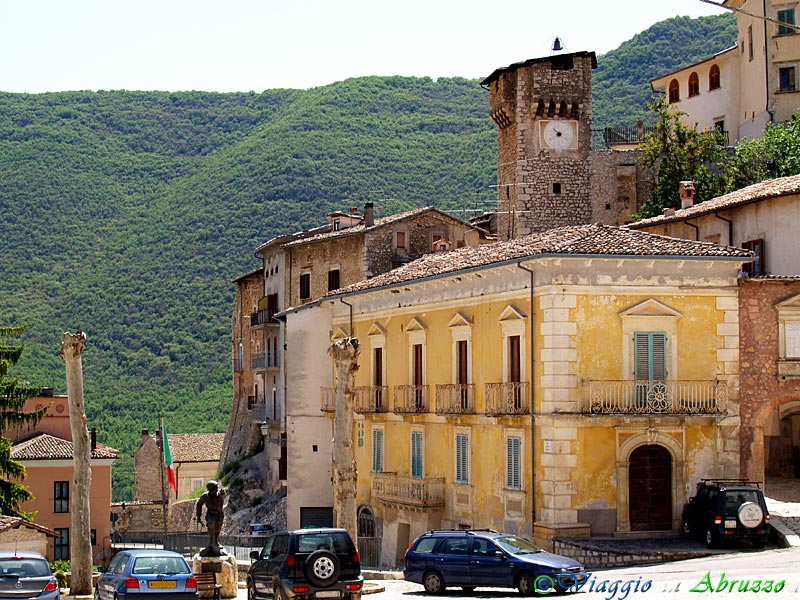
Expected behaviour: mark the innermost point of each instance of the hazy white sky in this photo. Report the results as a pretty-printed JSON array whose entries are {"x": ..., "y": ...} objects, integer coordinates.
[{"x": 253, "y": 45}]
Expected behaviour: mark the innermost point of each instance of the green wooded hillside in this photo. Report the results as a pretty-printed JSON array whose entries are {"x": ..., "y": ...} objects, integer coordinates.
[{"x": 127, "y": 214}]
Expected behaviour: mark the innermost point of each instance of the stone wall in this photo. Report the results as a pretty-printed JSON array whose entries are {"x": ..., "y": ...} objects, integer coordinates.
[
  {"x": 598, "y": 557},
  {"x": 761, "y": 391},
  {"x": 147, "y": 478}
]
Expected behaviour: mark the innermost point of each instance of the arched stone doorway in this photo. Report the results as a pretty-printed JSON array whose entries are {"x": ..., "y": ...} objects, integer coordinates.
[
  {"x": 782, "y": 441},
  {"x": 650, "y": 488}
]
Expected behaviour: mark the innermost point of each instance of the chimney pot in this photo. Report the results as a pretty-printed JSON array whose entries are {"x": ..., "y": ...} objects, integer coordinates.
[
  {"x": 686, "y": 193},
  {"x": 668, "y": 212},
  {"x": 369, "y": 215}
]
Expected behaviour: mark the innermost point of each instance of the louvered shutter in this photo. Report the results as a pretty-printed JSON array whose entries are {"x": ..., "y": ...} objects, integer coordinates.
[
  {"x": 462, "y": 458},
  {"x": 377, "y": 450},
  {"x": 416, "y": 454},
  {"x": 513, "y": 463},
  {"x": 650, "y": 356}
]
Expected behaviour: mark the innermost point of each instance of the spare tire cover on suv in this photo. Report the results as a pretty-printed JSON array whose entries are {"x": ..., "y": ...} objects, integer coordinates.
[
  {"x": 750, "y": 514},
  {"x": 322, "y": 568}
]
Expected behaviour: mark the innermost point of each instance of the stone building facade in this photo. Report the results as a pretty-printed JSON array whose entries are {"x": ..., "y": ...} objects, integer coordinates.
[
  {"x": 769, "y": 322},
  {"x": 548, "y": 174}
]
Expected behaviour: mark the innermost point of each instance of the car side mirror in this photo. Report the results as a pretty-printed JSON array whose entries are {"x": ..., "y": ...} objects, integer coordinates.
[
  {"x": 255, "y": 555},
  {"x": 499, "y": 553}
]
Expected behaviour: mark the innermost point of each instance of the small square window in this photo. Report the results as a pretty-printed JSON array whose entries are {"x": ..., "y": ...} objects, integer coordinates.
[
  {"x": 787, "y": 78},
  {"x": 400, "y": 239},
  {"x": 557, "y": 188},
  {"x": 305, "y": 286},
  {"x": 788, "y": 17}
]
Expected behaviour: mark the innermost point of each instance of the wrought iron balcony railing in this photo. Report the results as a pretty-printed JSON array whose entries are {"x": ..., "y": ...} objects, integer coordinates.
[
  {"x": 265, "y": 360},
  {"x": 263, "y": 317},
  {"x": 455, "y": 399},
  {"x": 508, "y": 398},
  {"x": 655, "y": 397},
  {"x": 395, "y": 489},
  {"x": 260, "y": 413},
  {"x": 409, "y": 399},
  {"x": 371, "y": 399}
]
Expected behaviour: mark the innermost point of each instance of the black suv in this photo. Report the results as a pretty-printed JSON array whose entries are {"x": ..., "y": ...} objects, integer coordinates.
[
  {"x": 306, "y": 563},
  {"x": 485, "y": 558},
  {"x": 727, "y": 509}
]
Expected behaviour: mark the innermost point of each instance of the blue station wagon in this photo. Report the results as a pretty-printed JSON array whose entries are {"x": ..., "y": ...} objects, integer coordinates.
[{"x": 484, "y": 558}]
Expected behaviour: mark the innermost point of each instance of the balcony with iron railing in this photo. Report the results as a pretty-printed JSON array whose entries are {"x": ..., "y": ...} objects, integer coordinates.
[
  {"x": 327, "y": 399},
  {"x": 455, "y": 399},
  {"x": 700, "y": 397},
  {"x": 410, "y": 399},
  {"x": 263, "y": 318},
  {"x": 508, "y": 398},
  {"x": 265, "y": 360},
  {"x": 371, "y": 399},
  {"x": 422, "y": 493},
  {"x": 260, "y": 413}
]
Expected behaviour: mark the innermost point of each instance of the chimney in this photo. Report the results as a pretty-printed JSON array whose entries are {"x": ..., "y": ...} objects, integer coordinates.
[
  {"x": 668, "y": 212},
  {"x": 145, "y": 435},
  {"x": 686, "y": 193},
  {"x": 94, "y": 438},
  {"x": 369, "y": 215}
]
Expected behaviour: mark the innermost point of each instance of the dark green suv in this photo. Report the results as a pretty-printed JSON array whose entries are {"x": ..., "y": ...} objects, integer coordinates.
[
  {"x": 725, "y": 510},
  {"x": 304, "y": 564}
]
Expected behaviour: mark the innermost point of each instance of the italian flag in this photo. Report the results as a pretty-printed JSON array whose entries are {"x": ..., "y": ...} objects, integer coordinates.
[{"x": 173, "y": 483}]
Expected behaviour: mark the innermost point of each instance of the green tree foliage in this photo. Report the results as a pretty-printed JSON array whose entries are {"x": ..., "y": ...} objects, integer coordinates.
[
  {"x": 776, "y": 154},
  {"x": 621, "y": 83},
  {"x": 13, "y": 394},
  {"x": 679, "y": 152},
  {"x": 126, "y": 214}
]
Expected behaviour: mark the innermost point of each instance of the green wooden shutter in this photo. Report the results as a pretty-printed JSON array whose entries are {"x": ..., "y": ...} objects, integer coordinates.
[
  {"x": 650, "y": 355},
  {"x": 377, "y": 450},
  {"x": 462, "y": 458},
  {"x": 416, "y": 454}
]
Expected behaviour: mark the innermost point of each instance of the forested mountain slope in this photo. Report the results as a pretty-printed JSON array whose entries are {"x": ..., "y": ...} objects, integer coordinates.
[{"x": 127, "y": 214}]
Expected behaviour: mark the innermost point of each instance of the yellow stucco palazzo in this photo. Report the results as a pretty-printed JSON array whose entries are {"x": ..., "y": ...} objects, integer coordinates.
[{"x": 577, "y": 382}]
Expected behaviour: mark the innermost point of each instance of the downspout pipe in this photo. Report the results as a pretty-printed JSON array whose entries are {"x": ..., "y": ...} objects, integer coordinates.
[
  {"x": 532, "y": 380},
  {"x": 730, "y": 228},
  {"x": 343, "y": 301}
]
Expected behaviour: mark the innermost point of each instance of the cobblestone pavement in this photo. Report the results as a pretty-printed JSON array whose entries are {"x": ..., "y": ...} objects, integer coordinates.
[{"x": 783, "y": 501}]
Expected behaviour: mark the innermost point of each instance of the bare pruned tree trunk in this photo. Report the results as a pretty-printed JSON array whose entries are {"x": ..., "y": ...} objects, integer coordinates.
[
  {"x": 345, "y": 354},
  {"x": 81, "y": 543}
]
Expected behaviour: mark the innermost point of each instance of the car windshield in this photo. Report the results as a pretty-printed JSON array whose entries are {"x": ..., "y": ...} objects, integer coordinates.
[
  {"x": 516, "y": 545},
  {"x": 159, "y": 565},
  {"x": 24, "y": 567}
]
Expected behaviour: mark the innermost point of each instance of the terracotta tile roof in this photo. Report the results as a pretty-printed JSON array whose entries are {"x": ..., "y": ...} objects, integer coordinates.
[
  {"x": 47, "y": 447},
  {"x": 772, "y": 188},
  {"x": 196, "y": 447},
  {"x": 582, "y": 240},
  {"x": 7, "y": 522},
  {"x": 359, "y": 229}
]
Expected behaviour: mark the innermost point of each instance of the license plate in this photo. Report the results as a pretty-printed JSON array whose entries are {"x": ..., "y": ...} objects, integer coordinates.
[
  {"x": 328, "y": 594},
  {"x": 730, "y": 523},
  {"x": 162, "y": 584}
]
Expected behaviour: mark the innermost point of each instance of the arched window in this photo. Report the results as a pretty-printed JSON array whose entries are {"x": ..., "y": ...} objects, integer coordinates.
[
  {"x": 713, "y": 78},
  {"x": 674, "y": 91},
  {"x": 694, "y": 85}
]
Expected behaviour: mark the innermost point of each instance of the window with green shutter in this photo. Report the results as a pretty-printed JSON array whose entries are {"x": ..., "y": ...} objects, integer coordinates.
[
  {"x": 462, "y": 458},
  {"x": 416, "y": 454},
  {"x": 650, "y": 362},
  {"x": 514, "y": 463},
  {"x": 377, "y": 450}
]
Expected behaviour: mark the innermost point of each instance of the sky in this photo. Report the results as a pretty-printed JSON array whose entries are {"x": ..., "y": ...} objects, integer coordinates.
[{"x": 254, "y": 45}]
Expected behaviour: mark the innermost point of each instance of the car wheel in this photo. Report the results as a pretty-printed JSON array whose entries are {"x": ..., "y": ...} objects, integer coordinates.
[
  {"x": 711, "y": 539},
  {"x": 433, "y": 582},
  {"x": 322, "y": 568},
  {"x": 525, "y": 584},
  {"x": 686, "y": 529}
]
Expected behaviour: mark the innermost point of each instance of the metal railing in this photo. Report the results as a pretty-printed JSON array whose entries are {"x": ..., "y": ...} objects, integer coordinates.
[
  {"x": 371, "y": 399},
  {"x": 409, "y": 399},
  {"x": 455, "y": 398},
  {"x": 408, "y": 491},
  {"x": 265, "y": 360},
  {"x": 507, "y": 398},
  {"x": 263, "y": 317},
  {"x": 655, "y": 397},
  {"x": 327, "y": 402}
]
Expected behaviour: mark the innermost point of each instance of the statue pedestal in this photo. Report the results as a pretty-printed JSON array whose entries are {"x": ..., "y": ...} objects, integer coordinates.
[{"x": 225, "y": 569}]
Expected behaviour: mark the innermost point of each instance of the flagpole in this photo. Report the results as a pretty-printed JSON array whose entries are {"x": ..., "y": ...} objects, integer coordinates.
[{"x": 163, "y": 490}]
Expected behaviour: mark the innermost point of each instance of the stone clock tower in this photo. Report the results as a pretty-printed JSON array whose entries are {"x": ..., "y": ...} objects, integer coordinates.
[{"x": 543, "y": 111}]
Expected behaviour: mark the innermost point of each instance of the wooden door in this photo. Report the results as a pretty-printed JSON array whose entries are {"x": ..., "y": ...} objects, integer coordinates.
[{"x": 650, "y": 489}]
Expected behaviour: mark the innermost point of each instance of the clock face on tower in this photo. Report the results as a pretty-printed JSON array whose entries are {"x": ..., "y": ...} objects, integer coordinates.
[{"x": 559, "y": 135}]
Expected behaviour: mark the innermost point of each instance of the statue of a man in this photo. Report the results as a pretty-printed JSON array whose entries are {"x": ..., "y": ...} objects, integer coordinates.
[{"x": 213, "y": 499}]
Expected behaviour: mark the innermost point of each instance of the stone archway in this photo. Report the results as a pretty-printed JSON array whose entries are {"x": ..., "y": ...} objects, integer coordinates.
[
  {"x": 781, "y": 431},
  {"x": 629, "y": 440}
]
